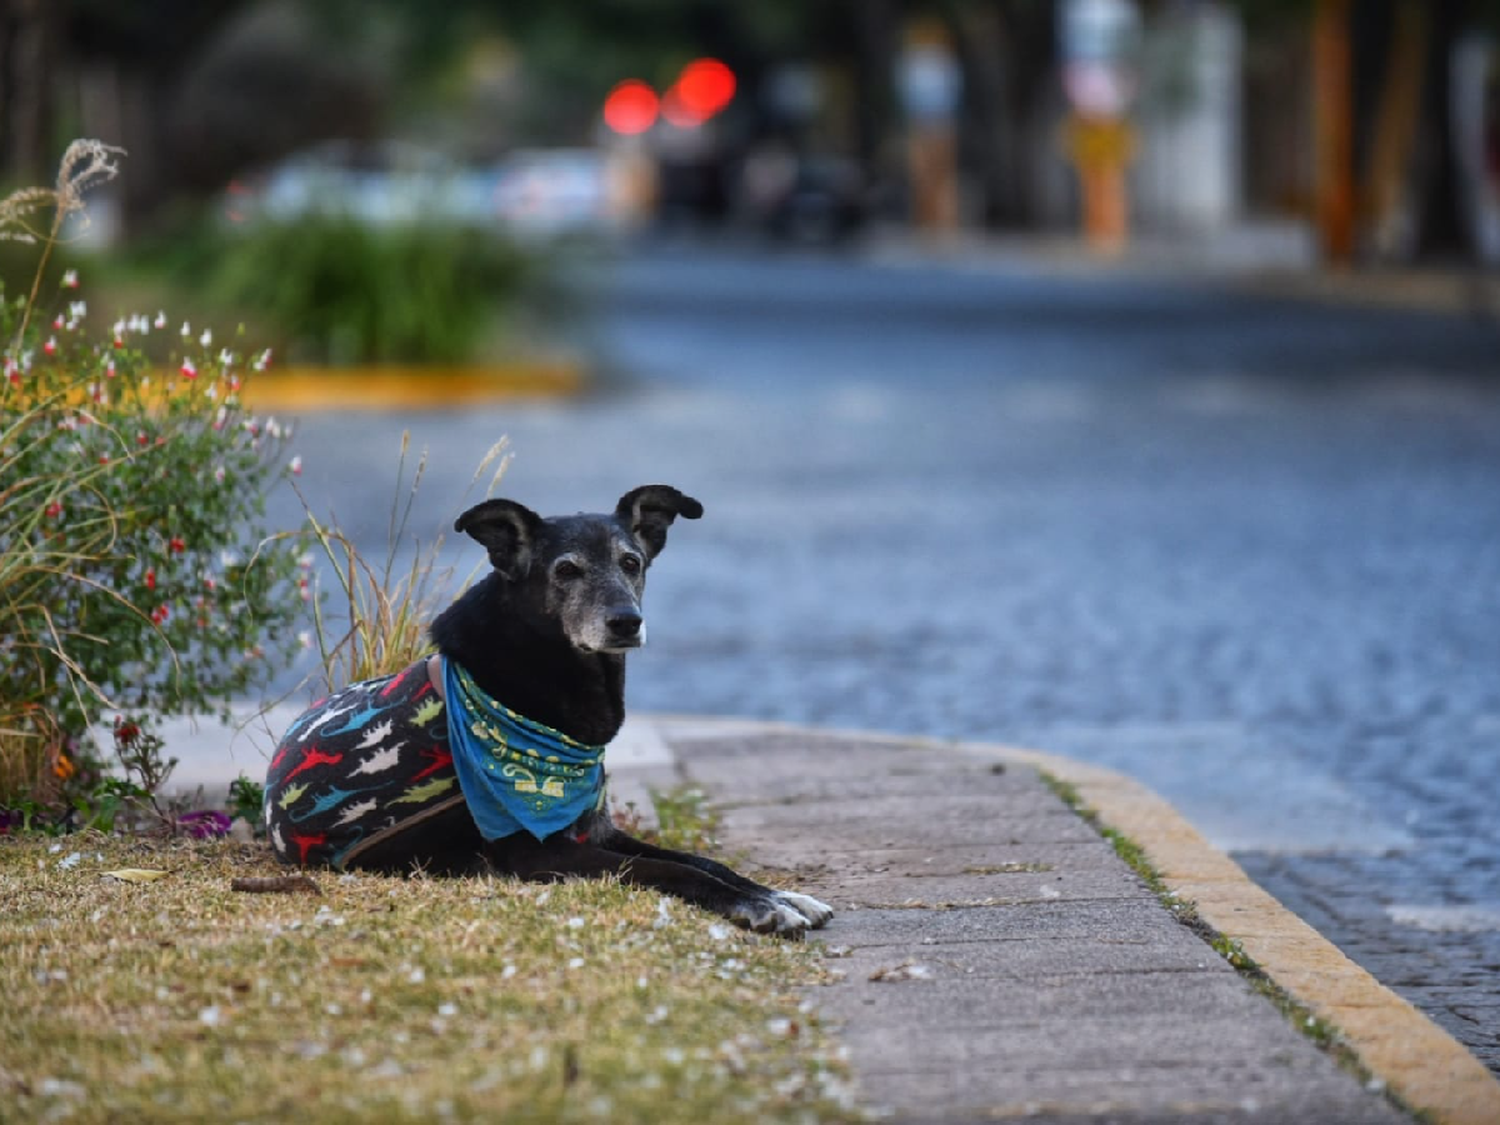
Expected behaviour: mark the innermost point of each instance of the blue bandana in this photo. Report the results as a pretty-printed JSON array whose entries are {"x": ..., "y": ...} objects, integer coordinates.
[{"x": 516, "y": 774}]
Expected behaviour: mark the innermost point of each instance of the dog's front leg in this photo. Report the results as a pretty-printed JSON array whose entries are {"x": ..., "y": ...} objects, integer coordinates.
[
  {"x": 817, "y": 913},
  {"x": 559, "y": 857}
]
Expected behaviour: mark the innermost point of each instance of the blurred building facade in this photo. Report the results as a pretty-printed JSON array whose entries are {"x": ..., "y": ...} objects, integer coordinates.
[{"x": 1372, "y": 126}]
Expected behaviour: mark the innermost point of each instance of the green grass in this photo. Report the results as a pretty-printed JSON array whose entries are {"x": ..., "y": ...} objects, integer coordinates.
[{"x": 386, "y": 998}]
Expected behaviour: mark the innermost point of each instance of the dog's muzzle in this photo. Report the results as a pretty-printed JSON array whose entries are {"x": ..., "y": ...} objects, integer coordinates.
[{"x": 624, "y": 629}]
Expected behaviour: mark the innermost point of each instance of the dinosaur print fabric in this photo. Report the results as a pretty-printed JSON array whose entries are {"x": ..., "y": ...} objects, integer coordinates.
[{"x": 358, "y": 767}]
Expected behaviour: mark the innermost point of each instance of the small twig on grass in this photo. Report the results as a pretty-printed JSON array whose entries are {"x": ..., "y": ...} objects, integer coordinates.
[{"x": 276, "y": 885}]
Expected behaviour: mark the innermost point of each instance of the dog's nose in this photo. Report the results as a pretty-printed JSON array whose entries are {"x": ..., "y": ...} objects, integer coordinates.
[{"x": 624, "y": 623}]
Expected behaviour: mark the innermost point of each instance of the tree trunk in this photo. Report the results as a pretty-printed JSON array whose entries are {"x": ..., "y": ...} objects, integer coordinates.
[
  {"x": 1441, "y": 231},
  {"x": 1333, "y": 130},
  {"x": 878, "y": 120},
  {"x": 26, "y": 61}
]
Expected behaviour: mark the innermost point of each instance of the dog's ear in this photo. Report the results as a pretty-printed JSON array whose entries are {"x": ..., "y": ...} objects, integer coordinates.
[
  {"x": 649, "y": 510},
  {"x": 506, "y": 530}
]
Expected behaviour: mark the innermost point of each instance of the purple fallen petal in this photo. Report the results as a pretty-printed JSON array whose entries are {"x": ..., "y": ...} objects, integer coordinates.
[{"x": 204, "y": 824}]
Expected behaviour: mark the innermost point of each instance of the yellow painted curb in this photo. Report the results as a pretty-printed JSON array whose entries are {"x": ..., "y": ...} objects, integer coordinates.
[
  {"x": 305, "y": 389},
  {"x": 1424, "y": 1065}
]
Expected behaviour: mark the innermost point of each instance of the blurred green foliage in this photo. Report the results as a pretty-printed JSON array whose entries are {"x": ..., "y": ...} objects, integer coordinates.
[{"x": 333, "y": 289}]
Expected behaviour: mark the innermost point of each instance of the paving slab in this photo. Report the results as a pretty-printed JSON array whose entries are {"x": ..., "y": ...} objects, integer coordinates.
[{"x": 993, "y": 957}]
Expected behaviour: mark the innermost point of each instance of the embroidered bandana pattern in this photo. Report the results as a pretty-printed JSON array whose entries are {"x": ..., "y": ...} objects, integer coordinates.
[{"x": 517, "y": 774}]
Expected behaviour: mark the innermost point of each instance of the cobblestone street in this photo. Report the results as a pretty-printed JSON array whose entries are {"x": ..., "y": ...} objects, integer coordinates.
[{"x": 1245, "y": 550}]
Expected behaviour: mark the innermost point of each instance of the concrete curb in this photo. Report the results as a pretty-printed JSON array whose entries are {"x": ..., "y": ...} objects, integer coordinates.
[
  {"x": 1426, "y": 1067},
  {"x": 1419, "y": 1061},
  {"x": 301, "y": 390}
]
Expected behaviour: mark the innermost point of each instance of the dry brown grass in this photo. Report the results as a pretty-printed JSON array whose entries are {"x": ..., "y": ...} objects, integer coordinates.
[{"x": 385, "y": 998}]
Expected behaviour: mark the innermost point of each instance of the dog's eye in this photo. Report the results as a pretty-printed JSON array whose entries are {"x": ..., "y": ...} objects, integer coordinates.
[
  {"x": 567, "y": 569},
  {"x": 630, "y": 564}
]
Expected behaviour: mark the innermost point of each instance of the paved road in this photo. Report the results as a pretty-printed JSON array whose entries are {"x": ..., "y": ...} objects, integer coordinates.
[{"x": 1248, "y": 551}]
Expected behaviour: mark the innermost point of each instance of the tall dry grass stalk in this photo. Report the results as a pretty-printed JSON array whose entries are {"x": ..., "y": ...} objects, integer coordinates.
[
  {"x": 85, "y": 165},
  {"x": 389, "y": 607}
]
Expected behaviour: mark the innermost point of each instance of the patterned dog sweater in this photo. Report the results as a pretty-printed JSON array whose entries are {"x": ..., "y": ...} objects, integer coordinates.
[{"x": 358, "y": 767}]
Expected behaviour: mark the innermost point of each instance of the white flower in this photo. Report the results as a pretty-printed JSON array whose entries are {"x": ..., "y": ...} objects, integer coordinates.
[
  {"x": 70, "y": 279},
  {"x": 77, "y": 309},
  {"x": 295, "y": 464},
  {"x": 187, "y": 329},
  {"x": 207, "y": 338},
  {"x": 161, "y": 320},
  {"x": 304, "y": 639}
]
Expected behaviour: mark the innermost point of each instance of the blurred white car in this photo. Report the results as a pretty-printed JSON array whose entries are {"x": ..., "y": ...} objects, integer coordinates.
[
  {"x": 381, "y": 183},
  {"x": 543, "y": 192},
  {"x": 554, "y": 191}
]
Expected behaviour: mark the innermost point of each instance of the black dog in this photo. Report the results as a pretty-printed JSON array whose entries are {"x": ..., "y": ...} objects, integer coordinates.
[{"x": 488, "y": 754}]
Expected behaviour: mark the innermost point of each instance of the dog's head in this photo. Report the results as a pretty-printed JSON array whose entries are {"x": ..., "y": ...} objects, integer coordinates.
[{"x": 584, "y": 574}]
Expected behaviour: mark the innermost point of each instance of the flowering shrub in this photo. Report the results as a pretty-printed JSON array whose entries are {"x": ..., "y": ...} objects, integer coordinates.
[{"x": 135, "y": 577}]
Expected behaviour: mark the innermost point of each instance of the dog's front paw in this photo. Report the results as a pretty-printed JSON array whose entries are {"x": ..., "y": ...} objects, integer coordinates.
[
  {"x": 769, "y": 915},
  {"x": 817, "y": 913}
]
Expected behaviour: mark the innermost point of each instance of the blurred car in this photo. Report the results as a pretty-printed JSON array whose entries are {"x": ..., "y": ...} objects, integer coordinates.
[
  {"x": 543, "y": 192},
  {"x": 553, "y": 191},
  {"x": 804, "y": 199},
  {"x": 380, "y": 182}
]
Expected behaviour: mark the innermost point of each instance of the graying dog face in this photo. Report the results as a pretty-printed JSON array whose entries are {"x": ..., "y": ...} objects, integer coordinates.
[
  {"x": 582, "y": 574},
  {"x": 594, "y": 572}
]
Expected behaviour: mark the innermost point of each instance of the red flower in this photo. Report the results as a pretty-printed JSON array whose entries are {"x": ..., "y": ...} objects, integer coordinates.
[
  {"x": 54, "y": 509},
  {"x": 151, "y": 579},
  {"x": 119, "y": 340},
  {"x": 188, "y": 370},
  {"x": 177, "y": 546},
  {"x": 126, "y": 731}
]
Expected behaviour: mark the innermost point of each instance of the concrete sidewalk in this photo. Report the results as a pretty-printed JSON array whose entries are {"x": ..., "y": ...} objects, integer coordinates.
[
  {"x": 998, "y": 959},
  {"x": 993, "y": 957}
]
